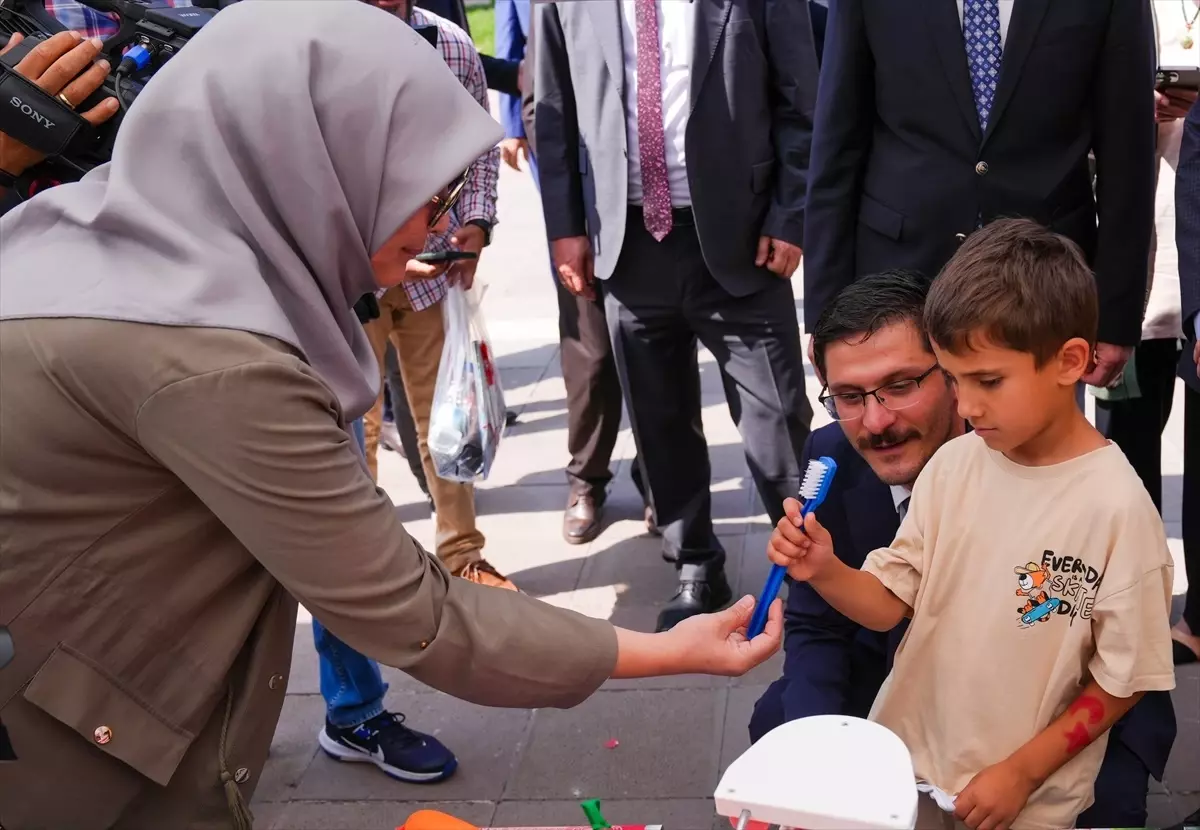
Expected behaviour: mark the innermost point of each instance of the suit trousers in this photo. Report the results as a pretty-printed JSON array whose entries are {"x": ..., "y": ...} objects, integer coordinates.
[
  {"x": 1136, "y": 426},
  {"x": 660, "y": 301},
  {"x": 593, "y": 388},
  {"x": 418, "y": 337}
]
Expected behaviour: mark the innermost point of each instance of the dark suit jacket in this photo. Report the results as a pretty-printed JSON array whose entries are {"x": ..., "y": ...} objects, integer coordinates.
[
  {"x": 901, "y": 171},
  {"x": 1187, "y": 234},
  {"x": 832, "y": 665},
  {"x": 835, "y": 666},
  {"x": 753, "y": 89}
]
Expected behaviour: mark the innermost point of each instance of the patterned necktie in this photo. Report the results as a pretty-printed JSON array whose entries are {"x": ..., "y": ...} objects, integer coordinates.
[
  {"x": 981, "y": 32},
  {"x": 652, "y": 145}
]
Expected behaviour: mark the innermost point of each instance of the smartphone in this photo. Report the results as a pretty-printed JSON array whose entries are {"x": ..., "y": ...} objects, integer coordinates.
[
  {"x": 445, "y": 256},
  {"x": 1179, "y": 77}
]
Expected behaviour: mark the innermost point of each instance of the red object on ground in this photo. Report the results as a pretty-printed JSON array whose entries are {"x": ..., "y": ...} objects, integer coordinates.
[
  {"x": 750, "y": 825},
  {"x": 433, "y": 820},
  {"x": 612, "y": 743}
]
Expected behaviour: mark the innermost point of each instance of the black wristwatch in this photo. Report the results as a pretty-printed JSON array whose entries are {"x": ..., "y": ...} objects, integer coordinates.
[{"x": 484, "y": 226}]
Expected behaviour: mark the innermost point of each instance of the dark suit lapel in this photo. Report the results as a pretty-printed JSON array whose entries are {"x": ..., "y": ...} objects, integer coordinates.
[
  {"x": 711, "y": 17},
  {"x": 871, "y": 515},
  {"x": 952, "y": 51},
  {"x": 606, "y": 17},
  {"x": 1022, "y": 30}
]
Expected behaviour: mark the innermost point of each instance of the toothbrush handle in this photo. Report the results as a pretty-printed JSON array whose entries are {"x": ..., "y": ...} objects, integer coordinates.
[{"x": 774, "y": 582}]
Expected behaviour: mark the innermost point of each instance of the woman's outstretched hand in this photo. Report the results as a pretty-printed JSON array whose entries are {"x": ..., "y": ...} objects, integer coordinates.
[{"x": 705, "y": 644}]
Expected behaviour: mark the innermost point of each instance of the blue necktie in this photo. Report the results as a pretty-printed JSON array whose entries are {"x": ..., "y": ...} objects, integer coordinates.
[{"x": 981, "y": 32}]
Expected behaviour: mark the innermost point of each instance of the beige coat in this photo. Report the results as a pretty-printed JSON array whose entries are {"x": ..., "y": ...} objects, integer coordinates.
[{"x": 166, "y": 497}]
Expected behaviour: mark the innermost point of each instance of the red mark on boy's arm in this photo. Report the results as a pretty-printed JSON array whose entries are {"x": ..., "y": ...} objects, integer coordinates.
[
  {"x": 1093, "y": 706},
  {"x": 1077, "y": 738}
]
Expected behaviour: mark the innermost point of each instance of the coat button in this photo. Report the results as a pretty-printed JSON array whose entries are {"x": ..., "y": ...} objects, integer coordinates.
[
  {"x": 981, "y": 168},
  {"x": 242, "y": 775},
  {"x": 102, "y": 735},
  {"x": 961, "y": 237},
  {"x": 276, "y": 681}
]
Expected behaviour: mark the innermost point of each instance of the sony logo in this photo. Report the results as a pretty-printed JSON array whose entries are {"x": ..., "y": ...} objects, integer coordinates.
[{"x": 31, "y": 112}]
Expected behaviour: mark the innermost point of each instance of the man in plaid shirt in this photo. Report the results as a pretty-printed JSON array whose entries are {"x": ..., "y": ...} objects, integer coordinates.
[
  {"x": 410, "y": 315},
  {"x": 357, "y": 727}
]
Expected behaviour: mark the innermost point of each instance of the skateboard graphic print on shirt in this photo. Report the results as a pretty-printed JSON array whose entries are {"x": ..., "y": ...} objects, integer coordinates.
[{"x": 1056, "y": 586}]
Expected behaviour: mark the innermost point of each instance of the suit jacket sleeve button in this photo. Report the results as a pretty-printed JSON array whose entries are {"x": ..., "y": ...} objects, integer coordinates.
[
  {"x": 276, "y": 681},
  {"x": 102, "y": 735},
  {"x": 424, "y": 644},
  {"x": 981, "y": 168},
  {"x": 961, "y": 237}
]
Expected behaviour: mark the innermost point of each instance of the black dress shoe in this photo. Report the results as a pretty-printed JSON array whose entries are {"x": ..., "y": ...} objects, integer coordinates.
[
  {"x": 581, "y": 521},
  {"x": 695, "y": 597}
]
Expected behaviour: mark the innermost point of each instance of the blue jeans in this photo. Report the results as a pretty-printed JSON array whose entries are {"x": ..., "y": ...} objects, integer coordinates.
[{"x": 351, "y": 683}]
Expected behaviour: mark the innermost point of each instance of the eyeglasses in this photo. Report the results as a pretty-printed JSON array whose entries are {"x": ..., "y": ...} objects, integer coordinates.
[
  {"x": 443, "y": 203},
  {"x": 894, "y": 396}
]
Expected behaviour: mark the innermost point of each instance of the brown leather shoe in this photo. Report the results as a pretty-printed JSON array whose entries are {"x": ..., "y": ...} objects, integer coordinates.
[
  {"x": 483, "y": 573},
  {"x": 581, "y": 521}
]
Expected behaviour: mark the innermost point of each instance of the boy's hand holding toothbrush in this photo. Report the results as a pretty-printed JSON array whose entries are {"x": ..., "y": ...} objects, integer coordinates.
[
  {"x": 806, "y": 553},
  {"x": 802, "y": 547}
]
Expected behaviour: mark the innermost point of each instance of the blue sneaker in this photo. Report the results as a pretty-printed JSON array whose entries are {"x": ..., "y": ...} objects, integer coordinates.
[{"x": 387, "y": 743}]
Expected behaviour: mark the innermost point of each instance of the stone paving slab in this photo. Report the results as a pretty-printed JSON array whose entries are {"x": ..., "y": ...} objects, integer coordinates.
[{"x": 676, "y": 734}]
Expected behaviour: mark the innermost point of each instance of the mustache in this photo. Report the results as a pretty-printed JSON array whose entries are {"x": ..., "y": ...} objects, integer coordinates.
[{"x": 886, "y": 439}]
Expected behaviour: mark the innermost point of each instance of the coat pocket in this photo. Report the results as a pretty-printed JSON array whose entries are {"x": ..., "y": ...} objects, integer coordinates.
[
  {"x": 762, "y": 175},
  {"x": 880, "y": 218},
  {"x": 77, "y": 693}
]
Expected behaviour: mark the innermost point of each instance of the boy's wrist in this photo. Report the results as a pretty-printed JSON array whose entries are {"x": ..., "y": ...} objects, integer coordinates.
[
  {"x": 1028, "y": 767},
  {"x": 834, "y": 571}
]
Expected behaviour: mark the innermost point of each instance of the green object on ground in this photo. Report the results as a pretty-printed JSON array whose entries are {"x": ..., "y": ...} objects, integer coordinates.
[{"x": 591, "y": 809}]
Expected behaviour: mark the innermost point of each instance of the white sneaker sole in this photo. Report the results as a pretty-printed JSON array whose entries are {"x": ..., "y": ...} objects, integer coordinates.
[{"x": 341, "y": 752}]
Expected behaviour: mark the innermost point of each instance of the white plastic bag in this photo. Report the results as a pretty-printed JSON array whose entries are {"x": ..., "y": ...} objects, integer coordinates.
[{"x": 467, "y": 421}]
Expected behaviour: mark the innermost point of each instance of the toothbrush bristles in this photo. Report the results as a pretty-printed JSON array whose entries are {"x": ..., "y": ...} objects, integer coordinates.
[{"x": 811, "y": 484}]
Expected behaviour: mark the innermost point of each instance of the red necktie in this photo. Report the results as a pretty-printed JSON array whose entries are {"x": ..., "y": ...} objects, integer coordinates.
[{"x": 652, "y": 145}]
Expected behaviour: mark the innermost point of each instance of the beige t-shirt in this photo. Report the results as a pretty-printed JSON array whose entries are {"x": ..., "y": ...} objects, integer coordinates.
[{"x": 1025, "y": 583}]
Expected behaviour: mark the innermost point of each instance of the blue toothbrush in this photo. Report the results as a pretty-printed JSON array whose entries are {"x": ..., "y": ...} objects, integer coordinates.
[{"x": 813, "y": 489}]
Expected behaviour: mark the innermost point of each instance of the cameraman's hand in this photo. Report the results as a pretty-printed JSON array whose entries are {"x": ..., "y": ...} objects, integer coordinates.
[{"x": 55, "y": 66}]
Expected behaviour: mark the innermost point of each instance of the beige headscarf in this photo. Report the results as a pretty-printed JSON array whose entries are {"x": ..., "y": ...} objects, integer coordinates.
[{"x": 251, "y": 182}]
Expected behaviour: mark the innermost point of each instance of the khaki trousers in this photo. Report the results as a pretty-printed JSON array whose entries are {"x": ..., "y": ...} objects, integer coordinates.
[{"x": 418, "y": 337}]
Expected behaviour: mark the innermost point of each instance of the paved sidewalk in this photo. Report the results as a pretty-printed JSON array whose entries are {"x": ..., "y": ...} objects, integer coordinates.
[{"x": 676, "y": 735}]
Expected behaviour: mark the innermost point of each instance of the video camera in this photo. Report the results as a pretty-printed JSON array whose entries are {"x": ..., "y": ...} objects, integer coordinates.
[{"x": 150, "y": 34}]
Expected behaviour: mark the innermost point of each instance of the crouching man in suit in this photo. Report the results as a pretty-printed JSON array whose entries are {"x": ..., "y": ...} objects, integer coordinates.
[{"x": 893, "y": 409}]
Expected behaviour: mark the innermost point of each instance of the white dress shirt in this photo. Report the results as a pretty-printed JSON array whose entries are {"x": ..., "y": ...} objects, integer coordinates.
[
  {"x": 676, "y": 32},
  {"x": 1006, "y": 9},
  {"x": 900, "y": 496}
]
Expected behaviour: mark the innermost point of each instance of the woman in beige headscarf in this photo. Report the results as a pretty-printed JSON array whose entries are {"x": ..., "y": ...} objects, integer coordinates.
[{"x": 180, "y": 360}]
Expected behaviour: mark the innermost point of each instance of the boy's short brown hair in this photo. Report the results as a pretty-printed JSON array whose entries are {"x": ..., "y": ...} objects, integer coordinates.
[{"x": 1015, "y": 284}]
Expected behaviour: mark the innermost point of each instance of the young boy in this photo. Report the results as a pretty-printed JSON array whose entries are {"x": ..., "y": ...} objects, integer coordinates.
[{"x": 1032, "y": 562}]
